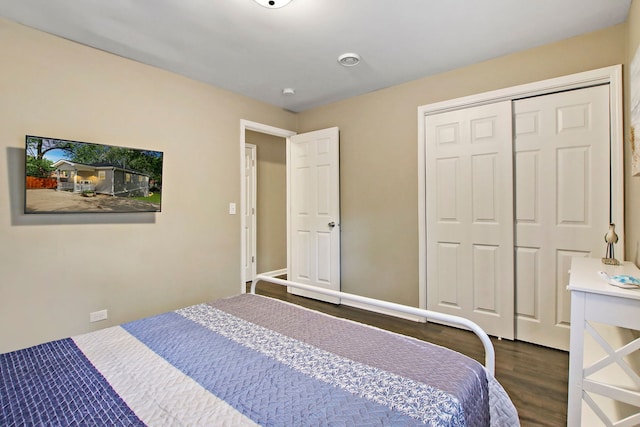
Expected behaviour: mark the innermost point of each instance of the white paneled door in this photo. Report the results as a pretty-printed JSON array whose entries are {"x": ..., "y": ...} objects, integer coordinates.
[
  {"x": 314, "y": 222},
  {"x": 562, "y": 199},
  {"x": 469, "y": 208},
  {"x": 249, "y": 213}
]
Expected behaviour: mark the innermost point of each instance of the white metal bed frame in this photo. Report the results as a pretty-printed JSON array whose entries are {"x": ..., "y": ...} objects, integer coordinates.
[{"x": 489, "y": 353}]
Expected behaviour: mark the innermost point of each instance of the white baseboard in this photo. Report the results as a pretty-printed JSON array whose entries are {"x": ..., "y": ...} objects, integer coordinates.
[
  {"x": 275, "y": 273},
  {"x": 384, "y": 311}
]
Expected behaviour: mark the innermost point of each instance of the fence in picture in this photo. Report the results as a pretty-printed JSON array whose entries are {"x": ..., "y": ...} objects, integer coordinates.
[{"x": 34, "y": 182}]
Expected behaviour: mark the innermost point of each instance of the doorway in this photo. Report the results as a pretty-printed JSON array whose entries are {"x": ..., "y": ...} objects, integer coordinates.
[
  {"x": 256, "y": 134},
  {"x": 266, "y": 205},
  {"x": 312, "y": 205}
]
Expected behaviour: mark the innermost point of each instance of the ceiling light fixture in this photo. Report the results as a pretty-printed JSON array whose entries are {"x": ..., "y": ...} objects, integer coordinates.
[
  {"x": 273, "y": 4},
  {"x": 349, "y": 59},
  {"x": 288, "y": 91}
]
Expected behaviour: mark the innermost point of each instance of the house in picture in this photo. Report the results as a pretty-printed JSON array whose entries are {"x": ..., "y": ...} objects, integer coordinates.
[{"x": 102, "y": 178}]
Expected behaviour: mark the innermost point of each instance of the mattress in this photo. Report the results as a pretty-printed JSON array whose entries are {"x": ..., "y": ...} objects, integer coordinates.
[{"x": 247, "y": 360}]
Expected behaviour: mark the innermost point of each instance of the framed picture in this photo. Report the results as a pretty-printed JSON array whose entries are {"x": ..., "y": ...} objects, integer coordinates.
[{"x": 65, "y": 176}]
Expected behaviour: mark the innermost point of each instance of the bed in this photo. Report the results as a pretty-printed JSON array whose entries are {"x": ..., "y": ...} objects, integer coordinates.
[{"x": 250, "y": 360}]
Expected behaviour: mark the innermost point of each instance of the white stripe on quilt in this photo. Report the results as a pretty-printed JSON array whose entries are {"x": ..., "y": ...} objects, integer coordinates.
[
  {"x": 413, "y": 398},
  {"x": 158, "y": 393}
]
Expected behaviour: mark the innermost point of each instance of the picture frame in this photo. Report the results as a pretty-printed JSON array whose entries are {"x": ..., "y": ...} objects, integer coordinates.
[{"x": 64, "y": 176}]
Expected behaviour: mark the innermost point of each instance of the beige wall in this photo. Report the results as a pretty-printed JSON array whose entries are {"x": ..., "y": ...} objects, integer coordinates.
[
  {"x": 55, "y": 269},
  {"x": 632, "y": 184},
  {"x": 271, "y": 201},
  {"x": 378, "y": 137}
]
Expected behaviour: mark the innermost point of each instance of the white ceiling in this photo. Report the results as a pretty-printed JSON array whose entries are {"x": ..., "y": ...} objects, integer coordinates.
[{"x": 248, "y": 49}]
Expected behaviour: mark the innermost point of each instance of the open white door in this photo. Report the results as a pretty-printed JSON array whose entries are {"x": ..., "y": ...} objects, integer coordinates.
[{"x": 313, "y": 176}]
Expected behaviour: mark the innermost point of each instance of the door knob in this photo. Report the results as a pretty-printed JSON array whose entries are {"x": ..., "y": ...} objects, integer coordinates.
[{"x": 332, "y": 224}]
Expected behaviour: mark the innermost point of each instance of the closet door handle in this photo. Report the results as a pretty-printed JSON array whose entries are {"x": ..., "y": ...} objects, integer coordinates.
[{"x": 332, "y": 224}]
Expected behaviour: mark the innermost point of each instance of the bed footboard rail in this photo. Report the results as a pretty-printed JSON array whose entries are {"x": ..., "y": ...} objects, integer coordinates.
[{"x": 489, "y": 352}]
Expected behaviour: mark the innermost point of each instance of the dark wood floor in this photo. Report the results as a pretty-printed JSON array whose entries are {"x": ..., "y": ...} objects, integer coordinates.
[{"x": 535, "y": 377}]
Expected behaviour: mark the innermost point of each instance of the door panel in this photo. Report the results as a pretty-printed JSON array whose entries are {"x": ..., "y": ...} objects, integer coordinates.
[
  {"x": 561, "y": 154},
  {"x": 484, "y": 278},
  {"x": 315, "y": 211},
  {"x": 470, "y": 216}
]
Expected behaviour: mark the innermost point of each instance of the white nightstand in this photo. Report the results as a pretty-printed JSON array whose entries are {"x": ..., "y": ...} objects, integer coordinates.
[{"x": 610, "y": 378}]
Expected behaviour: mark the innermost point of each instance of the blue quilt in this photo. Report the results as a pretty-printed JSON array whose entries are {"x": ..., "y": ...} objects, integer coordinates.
[{"x": 246, "y": 360}]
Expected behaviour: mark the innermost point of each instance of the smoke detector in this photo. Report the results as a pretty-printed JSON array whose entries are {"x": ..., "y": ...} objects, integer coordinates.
[{"x": 349, "y": 59}]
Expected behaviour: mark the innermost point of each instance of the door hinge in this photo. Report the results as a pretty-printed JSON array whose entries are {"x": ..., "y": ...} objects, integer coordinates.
[{"x": 253, "y": 259}]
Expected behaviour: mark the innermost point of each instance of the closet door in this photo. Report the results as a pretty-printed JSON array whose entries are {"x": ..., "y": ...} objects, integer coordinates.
[
  {"x": 469, "y": 207},
  {"x": 562, "y": 203}
]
